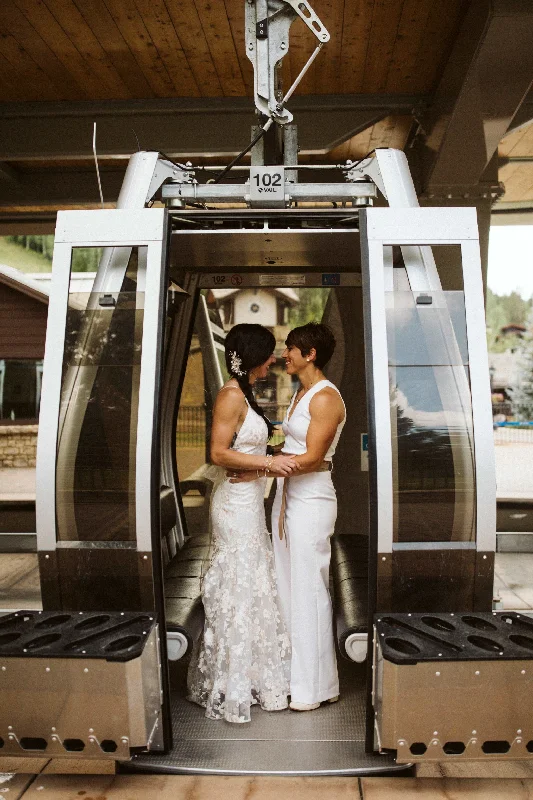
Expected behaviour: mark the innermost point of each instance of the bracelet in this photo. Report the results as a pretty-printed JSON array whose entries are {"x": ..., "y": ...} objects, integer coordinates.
[{"x": 268, "y": 463}]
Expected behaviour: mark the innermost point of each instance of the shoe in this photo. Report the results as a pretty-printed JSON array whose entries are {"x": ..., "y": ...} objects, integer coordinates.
[
  {"x": 303, "y": 706},
  {"x": 333, "y": 699}
]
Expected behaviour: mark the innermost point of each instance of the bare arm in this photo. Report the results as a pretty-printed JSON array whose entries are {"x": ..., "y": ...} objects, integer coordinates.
[
  {"x": 228, "y": 414},
  {"x": 327, "y": 411}
]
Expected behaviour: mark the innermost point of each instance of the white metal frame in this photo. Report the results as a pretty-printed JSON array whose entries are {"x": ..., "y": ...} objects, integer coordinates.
[
  {"x": 419, "y": 228},
  {"x": 108, "y": 229}
]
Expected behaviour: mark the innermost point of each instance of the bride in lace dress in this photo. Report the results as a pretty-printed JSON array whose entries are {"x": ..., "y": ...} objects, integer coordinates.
[{"x": 243, "y": 656}]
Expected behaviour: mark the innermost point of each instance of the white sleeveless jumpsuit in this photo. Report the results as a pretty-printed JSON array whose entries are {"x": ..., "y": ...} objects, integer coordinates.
[{"x": 302, "y": 562}]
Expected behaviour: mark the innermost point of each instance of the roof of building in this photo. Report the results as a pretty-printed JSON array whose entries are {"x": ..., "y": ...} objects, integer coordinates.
[
  {"x": 79, "y": 281},
  {"x": 37, "y": 284},
  {"x": 24, "y": 282}
]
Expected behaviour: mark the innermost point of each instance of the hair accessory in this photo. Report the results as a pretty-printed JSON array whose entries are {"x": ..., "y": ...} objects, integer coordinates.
[{"x": 236, "y": 363}]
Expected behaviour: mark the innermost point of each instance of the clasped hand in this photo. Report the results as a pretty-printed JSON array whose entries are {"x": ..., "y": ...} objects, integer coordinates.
[{"x": 282, "y": 465}]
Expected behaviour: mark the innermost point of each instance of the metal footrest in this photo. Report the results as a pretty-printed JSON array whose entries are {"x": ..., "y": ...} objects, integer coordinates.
[
  {"x": 79, "y": 683},
  {"x": 454, "y": 685}
]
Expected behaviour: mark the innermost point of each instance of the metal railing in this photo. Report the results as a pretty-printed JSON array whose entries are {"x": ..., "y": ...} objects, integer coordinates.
[{"x": 191, "y": 428}]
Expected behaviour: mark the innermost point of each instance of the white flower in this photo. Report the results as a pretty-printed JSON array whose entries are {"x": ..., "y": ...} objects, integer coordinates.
[{"x": 236, "y": 363}]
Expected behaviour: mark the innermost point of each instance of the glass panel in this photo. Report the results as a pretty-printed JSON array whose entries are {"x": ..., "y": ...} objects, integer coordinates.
[
  {"x": 98, "y": 415},
  {"x": 426, "y": 328},
  {"x": 433, "y": 463}
]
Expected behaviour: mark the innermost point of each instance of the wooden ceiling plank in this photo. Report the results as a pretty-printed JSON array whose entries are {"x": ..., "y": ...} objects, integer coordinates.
[
  {"x": 385, "y": 22},
  {"x": 86, "y": 43},
  {"x": 159, "y": 25},
  {"x": 339, "y": 154},
  {"x": 301, "y": 45},
  {"x": 436, "y": 44},
  {"x": 133, "y": 30},
  {"x": 520, "y": 185},
  {"x": 401, "y": 132},
  {"x": 37, "y": 13},
  {"x": 360, "y": 145},
  {"x": 102, "y": 24},
  {"x": 379, "y": 134},
  {"x": 14, "y": 22},
  {"x": 522, "y": 146},
  {"x": 328, "y": 63},
  {"x": 409, "y": 38},
  {"x": 235, "y": 11},
  {"x": 395, "y": 131},
  {"x": 25, "y": 72},
  {"x": 354, "y": 148},
  {"x": 356, "y": 29},
  {"x": 511, "y": 142},
  {"x": 506, "y": 173},
  {"x": 214, "y": 19},
  {"x": 189, "y": 30},
  {"x": 11, "y": 88}
]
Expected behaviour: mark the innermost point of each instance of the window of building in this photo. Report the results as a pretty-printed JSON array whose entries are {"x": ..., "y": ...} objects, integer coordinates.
[{"x": 20, "y": 389}]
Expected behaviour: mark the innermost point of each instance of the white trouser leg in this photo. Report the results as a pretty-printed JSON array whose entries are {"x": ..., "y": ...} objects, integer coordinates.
[{"x": 302, "y": 570}]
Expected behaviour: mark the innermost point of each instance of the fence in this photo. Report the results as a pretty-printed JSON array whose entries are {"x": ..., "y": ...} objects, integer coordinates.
[
  {"x": 191, "y": 428},
  {"x": 508, "y": 433}
]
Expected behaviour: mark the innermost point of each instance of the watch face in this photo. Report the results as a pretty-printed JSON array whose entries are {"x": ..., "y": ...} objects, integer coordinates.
[{"x": 254, "y": 308}]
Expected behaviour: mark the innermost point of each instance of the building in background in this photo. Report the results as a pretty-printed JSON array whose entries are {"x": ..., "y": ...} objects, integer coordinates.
[
  {"x": 268, "y": 306},
  {"x": 23, "y": 313}
]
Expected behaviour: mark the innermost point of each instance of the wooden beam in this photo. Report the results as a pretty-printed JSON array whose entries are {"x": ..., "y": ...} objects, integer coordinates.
[{"x": 484, "y": 83}]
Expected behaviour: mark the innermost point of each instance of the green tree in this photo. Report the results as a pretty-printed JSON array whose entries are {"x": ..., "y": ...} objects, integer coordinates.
[
  {"x": 310, "y": 308},
  {"x": 502, "y": 310},
  {"x": 84, "y": 259}
]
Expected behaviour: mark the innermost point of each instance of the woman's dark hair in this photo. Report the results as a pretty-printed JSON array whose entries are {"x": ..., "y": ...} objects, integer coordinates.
[
  {"x": 248, "y": 346},
  {"x": 316, "y": 335}
]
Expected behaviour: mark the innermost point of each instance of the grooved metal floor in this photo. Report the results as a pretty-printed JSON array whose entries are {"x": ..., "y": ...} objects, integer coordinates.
[{"x": 327, "y": 741}]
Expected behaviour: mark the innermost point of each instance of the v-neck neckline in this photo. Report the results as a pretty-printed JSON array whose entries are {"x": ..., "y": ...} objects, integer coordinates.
[{"x": 292, "y": 408}]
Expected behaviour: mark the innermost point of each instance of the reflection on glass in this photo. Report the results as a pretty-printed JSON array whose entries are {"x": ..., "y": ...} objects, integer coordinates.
[
  {"x": 433, "y": 463},
  {"x": 426, "y": 328},
  {"x": 20, "y": 388},
  {"x": 98, "y": 415}
]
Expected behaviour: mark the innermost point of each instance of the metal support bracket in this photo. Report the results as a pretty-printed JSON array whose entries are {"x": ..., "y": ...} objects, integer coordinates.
[{"x": 267, "y": 24}]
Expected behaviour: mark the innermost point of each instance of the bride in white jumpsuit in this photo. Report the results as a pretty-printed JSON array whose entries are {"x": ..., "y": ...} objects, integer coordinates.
[{"x": 303, "y": 518}]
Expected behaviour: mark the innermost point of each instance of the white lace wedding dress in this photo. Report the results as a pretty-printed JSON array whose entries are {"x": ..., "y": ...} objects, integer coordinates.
[{"x": 243, "y": 656}]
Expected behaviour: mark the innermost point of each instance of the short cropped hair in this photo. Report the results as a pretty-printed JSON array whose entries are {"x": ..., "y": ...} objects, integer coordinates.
[{"x": 314, "y": 334}]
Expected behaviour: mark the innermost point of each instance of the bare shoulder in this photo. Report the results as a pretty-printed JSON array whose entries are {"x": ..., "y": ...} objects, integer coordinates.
[
  {"x": 230, "y": 399},
  {"x": 327, "y": 402}
]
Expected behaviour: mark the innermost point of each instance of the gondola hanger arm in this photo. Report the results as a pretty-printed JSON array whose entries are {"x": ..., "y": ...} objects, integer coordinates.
[{"x": 267, "y": 24}]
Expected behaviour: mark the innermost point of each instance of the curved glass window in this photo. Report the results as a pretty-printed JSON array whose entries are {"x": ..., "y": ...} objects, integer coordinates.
[
  {"x": 431, "y": 418},
  {"x": 95, "y": 479}
]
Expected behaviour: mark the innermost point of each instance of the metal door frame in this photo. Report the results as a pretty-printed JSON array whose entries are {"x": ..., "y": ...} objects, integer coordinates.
[{"x": 416, "y": 229}]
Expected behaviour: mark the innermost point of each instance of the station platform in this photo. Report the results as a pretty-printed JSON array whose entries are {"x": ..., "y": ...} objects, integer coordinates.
[{"x": 59, "y": 780}]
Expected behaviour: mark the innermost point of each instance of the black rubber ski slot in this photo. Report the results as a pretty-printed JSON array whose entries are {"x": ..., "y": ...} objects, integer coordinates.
[
  {"x": 469, "y": 636},
  {"x": 424, "y": 634},
  {"x": 112, "y": 636}
]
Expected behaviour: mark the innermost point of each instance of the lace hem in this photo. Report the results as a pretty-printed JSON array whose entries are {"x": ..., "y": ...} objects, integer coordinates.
[{"x": 217, "y": 708}]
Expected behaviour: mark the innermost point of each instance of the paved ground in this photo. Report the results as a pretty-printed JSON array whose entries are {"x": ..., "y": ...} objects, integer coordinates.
[
  {"x": 104, "y": 786},
  {"x": 514, "y": 466},
  {"x": 17, "y": 484}
]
